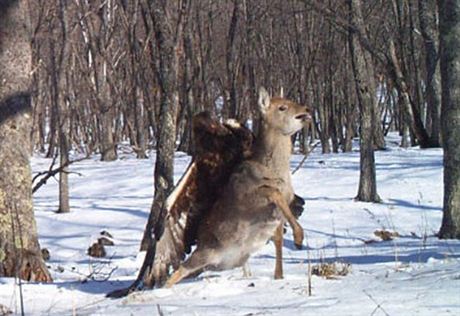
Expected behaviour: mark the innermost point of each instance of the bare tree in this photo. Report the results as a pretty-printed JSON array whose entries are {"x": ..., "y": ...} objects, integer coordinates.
[
  {"x": 169, "y": 38},
  {"x": 365, "y": 90},
  {"x": 449, "y": 24},
  {"x": 61, "y": 104},
  {"x": 19, "y": 249},
  {"x": 427, "y": 17}
]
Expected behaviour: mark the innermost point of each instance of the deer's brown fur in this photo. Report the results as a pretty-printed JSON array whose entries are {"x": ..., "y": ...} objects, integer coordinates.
[{"x": 255, "y": 202}]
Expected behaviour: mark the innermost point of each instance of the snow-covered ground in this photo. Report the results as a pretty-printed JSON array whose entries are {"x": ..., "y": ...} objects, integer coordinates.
[{"x": 413, "y": 274}]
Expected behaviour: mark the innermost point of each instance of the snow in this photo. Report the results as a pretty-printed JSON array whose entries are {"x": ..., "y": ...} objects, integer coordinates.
[{"x": 413, "y": 274}]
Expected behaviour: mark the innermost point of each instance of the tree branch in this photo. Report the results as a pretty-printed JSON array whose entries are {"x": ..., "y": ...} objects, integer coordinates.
[{"x": 52, "y": 172}]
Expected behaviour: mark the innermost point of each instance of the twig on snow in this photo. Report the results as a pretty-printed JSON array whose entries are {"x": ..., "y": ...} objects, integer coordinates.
[{"x": 378, "y": 305}]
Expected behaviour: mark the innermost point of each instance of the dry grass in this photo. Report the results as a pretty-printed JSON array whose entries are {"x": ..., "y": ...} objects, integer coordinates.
[
  {"x": 386, "y": 235},
  {"x": 331, "y": 270},
  {"x": 5, "y": 310}
]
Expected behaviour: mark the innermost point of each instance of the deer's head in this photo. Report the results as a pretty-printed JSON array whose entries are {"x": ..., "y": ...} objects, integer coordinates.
[{"x": 284, "y": 116}]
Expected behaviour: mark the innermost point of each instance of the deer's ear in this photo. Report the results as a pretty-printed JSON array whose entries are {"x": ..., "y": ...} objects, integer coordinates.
[{"x": 264, "y": 100}]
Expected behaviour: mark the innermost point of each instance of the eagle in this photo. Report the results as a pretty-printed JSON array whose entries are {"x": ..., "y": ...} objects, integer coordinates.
[{"x": 219, "y": 148}]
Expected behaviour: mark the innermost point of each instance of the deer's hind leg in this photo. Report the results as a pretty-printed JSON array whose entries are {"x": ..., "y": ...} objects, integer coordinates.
[
  {"x": 247, "y": 270},
  {"x": 193, "y": 266}
]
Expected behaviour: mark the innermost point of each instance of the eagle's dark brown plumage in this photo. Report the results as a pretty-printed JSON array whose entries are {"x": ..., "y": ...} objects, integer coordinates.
[{"x": 219, "y": 148}]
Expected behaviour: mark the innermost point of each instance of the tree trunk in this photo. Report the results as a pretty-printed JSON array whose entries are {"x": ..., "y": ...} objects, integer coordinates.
[
  {"x": 19, "y": 249},
  {"x": 188, "y": 99},
  {"x": 108, "y": 146},
  {"x": 411, "y": 112},
  {"x": 350, "y": 127},
  {"x": 170, "y": 46},
  {"x": 449, "y": 23},
  {"x": 58, "y": 62},
  {"x": 432, "y": 89},
  {"x": 139, "y": 123},
  {"x": 232, "y": 111},
  {"x": 101, "y": 33},
  {"x": 365, "y": 91},
  {"x": 64, "y": 148},
  {"x": 378, "y": 135}
]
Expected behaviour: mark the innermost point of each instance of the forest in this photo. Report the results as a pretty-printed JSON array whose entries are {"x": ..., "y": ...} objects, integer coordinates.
[{"x": 89, "y": 87}]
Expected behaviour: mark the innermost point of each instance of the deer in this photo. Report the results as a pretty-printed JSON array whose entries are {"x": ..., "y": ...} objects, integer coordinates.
[{"x": 255, "y": 202}]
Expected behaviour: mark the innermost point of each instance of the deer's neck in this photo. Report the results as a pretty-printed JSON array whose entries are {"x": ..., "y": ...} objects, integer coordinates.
[{"x": 273, "y": 150}]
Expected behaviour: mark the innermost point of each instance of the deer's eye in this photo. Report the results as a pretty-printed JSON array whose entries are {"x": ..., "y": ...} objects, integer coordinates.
[{"x": 282, "y": 108}]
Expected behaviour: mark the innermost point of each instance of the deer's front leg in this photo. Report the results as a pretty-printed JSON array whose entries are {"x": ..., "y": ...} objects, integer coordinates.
[
  {"x": 298, "y": 234},
  {"x": 284, "y": 207}
]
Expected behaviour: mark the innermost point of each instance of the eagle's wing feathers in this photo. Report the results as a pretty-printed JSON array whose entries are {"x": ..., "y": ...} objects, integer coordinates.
[{"x": 218, "y": 149}]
